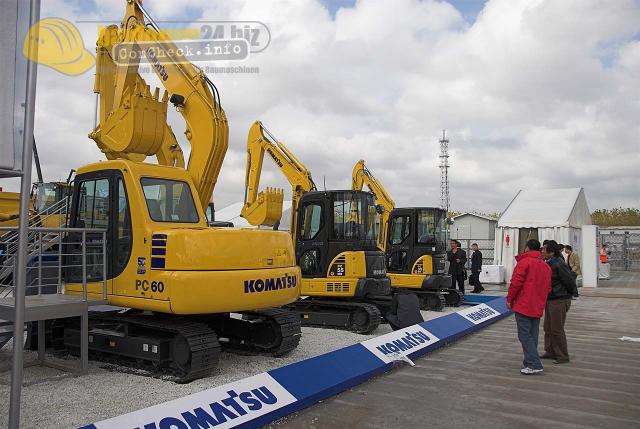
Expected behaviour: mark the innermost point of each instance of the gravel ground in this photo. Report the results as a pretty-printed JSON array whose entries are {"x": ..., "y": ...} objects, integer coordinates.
[{"x": 54, "y": 399}]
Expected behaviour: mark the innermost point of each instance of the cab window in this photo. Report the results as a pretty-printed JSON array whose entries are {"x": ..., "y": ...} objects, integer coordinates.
[
  {"x": 169, "y": 200},
  {"x": 400, "y": 229},
  {"x": 311, "y": 221}
]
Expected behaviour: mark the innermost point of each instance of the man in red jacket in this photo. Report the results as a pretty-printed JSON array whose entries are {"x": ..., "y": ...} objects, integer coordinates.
[{"x": 527, "y": 296}]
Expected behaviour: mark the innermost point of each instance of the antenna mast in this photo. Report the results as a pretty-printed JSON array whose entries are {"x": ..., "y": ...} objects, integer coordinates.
[{"x": 444, "y": 172}]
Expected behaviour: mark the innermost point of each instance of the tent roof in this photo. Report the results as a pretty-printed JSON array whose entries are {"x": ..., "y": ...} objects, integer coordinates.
[
  {"x": 547, "y": 208},
  {"x": 231, "y": 213}
]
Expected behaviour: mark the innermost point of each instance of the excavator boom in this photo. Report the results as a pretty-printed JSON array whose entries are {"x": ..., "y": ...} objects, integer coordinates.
[
  {"x": 361, "y": 176},
  {"x": 133, "y": 120},
  {"x": 265, "y": 208}
]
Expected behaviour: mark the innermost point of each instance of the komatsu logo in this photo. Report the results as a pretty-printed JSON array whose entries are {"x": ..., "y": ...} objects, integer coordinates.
[
  {"x": 399, "y": 344},
  {"x": 275, "y": 157},
  {"x": 270, "y": 284},
  {"x": 236, "y": 404},
  {"x": 228, "y": 406},
  {"x": 479, "y": 313},
  {"x": 408, "y": 342},
  {"x": 159, "y": 67}
]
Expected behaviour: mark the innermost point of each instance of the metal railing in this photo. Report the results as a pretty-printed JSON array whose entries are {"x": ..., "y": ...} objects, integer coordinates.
[
  {"x": 56, "y": 256},
  {"x": 41, "y": 219},
  {"x": 624, "y": 250}
]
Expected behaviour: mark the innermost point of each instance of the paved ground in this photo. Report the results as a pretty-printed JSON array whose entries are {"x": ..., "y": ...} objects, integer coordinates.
[{"x": 476, "y": 381}]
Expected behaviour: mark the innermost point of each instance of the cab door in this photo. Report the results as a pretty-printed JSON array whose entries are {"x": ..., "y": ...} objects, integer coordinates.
[
  {"x": 399, "y": 243},
  {"x": 100, "y": 202},
  {"x": 312, "y": 237}
]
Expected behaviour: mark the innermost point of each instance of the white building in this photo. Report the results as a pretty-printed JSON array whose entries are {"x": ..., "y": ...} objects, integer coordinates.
[
  {"x": 472, "y": 226},
  {"x": 543, "y": 214}
]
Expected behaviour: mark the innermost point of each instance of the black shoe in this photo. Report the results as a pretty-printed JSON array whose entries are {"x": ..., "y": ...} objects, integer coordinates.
[{"x": 559, "y": 361}]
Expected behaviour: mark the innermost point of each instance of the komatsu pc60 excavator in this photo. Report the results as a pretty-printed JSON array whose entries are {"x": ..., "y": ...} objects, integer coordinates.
[
  {"x": 191, "y": 289},
  {"x": 414, "y": 241},
  {"x": 343, "y": 272}
]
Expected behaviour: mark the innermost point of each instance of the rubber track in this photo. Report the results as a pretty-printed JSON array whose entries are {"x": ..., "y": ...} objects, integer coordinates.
[
  {"x": 439, "y": 306},
  {"x": 290, "y": 332},
  {"x": 453, "y": 297},
  {"x": 373, "y": 313},
  {"x": 202, "y": 341}
]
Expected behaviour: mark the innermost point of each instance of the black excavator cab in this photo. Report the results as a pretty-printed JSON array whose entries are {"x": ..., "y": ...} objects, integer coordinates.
[
  {"x": 415, "y": 232},
  {"x": 332, "y": 222}
]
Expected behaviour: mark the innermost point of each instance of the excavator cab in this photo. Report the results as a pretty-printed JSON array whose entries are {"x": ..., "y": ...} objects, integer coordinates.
[
  {"x": 416, "y": 244},
  {"x": 330, "y": 224}
]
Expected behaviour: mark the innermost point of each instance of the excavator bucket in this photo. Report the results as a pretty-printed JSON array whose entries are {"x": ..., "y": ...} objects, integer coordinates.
[
  {"x": 267, "y": 209},
  {"x": 135, "y": 127}
]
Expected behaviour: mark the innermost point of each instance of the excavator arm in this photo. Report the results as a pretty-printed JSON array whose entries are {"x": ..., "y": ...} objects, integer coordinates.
[
  {"x": 265, "y": 208},
  {"x": 106, "y": 131},
  {"x": 133, "y": 121},
  {"x": 361, "y": 176}
]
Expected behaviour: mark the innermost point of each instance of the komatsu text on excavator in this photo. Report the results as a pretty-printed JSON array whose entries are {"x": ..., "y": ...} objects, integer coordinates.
[
  {"x": 343, "y": 272},
  {"x": 414, "y": 240},
  {"x": 189, "y": 289}
]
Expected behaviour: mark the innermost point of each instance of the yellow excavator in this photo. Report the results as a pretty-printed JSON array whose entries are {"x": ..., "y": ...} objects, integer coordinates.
[
  {"x": 334, "y": 232},
  {"x": 414, "y": 241},
  {"x": 190, "y": 290}
]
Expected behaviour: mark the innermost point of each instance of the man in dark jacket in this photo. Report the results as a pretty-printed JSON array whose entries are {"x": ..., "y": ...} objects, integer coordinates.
[
  {"x": 476, "y": 268},
  {"x": 527, "y": 295},
  {"x": 404, "y": 311},
  {"x": 457, "y": 259},
  {"x": 563, "y": 288}
]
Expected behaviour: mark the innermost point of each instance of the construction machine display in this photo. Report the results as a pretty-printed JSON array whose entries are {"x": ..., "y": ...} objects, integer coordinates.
[
  {"x": 187, "y": 290},
  {"x": 334, "y": 231},
  {"x": 414, "y": 242}
]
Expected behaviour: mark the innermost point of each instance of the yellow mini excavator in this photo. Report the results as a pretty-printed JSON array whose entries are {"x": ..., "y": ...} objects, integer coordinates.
[
  {"x": 414, "y": 241},
  {"x": 190, "y": 289},
  {"x": 334, "y": 232}
]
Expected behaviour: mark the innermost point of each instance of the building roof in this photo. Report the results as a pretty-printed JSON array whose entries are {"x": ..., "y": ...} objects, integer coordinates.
[
  {"x": 547, "y": 208},
  {"x": 231, "y": 213},
  {"x": 476, "y": 215}
]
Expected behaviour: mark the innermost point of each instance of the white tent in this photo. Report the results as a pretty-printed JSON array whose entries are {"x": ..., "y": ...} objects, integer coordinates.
[
  {"x": 231, "y": 213},
  {"x": 544, "y": 214}
]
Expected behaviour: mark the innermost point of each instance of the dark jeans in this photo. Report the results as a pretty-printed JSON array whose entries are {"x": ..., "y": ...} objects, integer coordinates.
[
  {"x": 458, "y": 278},
  {"x": 474, "y": 280},
  {"x": 528, "y": 330}
]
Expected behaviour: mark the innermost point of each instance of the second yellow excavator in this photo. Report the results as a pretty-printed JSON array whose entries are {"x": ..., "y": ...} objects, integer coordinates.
[
  {"x": 343, "y": 272},
  {"x": 414, "y": 241}
]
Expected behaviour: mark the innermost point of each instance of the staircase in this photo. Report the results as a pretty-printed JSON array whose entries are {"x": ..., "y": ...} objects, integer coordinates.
[
  {"x": 37, "y": 244},
  {"x": 6, "y": 332}
]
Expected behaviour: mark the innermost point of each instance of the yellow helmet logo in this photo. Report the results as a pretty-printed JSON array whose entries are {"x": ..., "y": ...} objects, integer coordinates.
[{"x": 60, "y": 46}]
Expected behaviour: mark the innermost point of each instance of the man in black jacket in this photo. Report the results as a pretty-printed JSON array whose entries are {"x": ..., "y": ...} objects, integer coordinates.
[
  {"x": 404, "y": 311},
  {"x": 457, "y": 259},
  {"x": 476, "y": 268},
  {"x": 563, "y": 288}
]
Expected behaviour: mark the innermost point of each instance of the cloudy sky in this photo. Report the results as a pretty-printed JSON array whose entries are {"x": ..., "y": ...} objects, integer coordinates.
[{"x": 533, "y": 94}]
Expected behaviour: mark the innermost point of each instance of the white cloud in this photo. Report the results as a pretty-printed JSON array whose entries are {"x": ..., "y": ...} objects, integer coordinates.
[{"x": 533, "y": 94}]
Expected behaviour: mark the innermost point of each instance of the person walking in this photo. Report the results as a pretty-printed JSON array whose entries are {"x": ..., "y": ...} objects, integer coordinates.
[
  {"x": 527, "y": 295},
  {"x": 563, "y": 288},
  {"x": 457, "y": 259},
  {"x": 476, "y": 268},
  {"x": 573, "y": 260},
  {"x": 404, "y": 311}
]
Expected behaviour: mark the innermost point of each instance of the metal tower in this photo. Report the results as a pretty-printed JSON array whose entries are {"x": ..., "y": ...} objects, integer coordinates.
[{"x": 444, "y": 172}]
